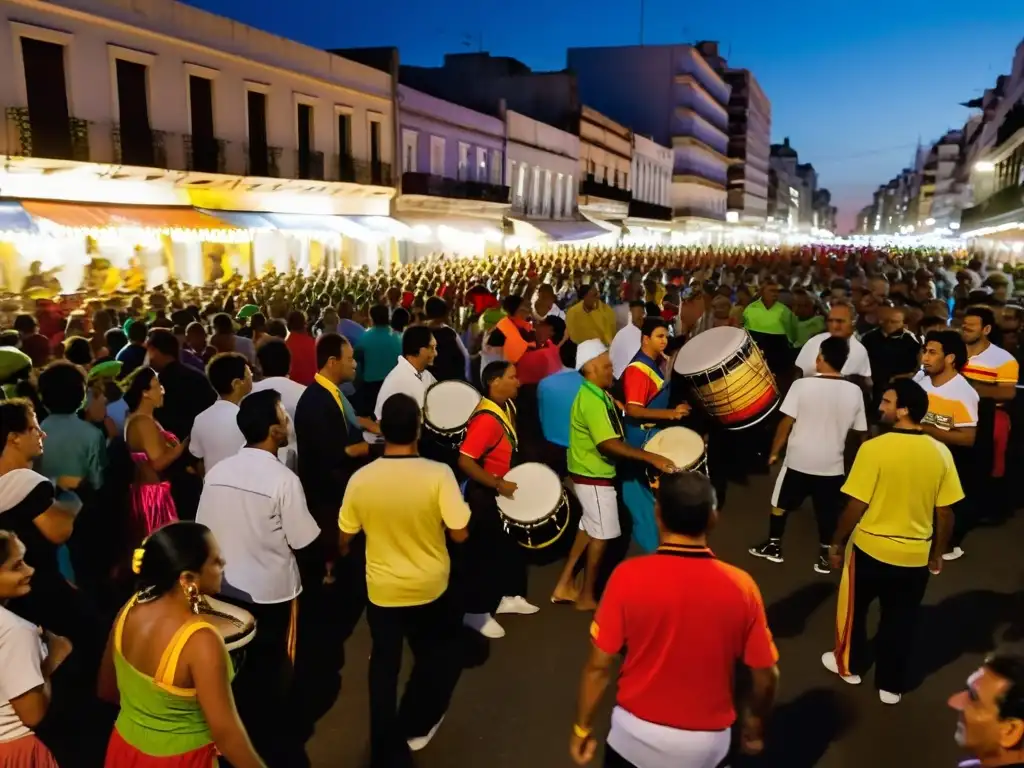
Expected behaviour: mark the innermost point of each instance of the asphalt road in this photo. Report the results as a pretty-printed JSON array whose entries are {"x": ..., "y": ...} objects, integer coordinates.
[{"x": 514, "y": 704}]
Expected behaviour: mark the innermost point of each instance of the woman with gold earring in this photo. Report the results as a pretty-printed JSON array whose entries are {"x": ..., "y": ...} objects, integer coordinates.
[{"x": 167, "y": 667}]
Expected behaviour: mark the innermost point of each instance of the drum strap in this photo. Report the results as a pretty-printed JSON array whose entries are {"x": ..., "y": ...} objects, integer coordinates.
[
  {"x": 505, "y": 416},
  {"x": 169, "y": 660}
]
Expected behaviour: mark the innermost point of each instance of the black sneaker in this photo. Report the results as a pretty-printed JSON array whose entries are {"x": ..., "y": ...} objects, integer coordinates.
[
  {"x": 771, "y": 550},
  {"x": 823, "y": 565}
]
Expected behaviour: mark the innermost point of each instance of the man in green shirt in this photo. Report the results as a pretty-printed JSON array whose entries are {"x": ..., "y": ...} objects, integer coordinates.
[
  {"x": 809, "y": 321},
  {"x": 595, "y": 442},
  {"x": 772, "y": 326}
]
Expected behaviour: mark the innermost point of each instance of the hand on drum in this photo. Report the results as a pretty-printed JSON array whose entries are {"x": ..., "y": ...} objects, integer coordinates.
[
  {"x": 506, "y": 489},
  {"x": 663, "y": 465},
  {"x": 681, "y": 410}
]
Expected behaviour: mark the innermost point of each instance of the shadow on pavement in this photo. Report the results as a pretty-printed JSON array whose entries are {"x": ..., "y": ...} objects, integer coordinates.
[{"x": 788, "y": 616}]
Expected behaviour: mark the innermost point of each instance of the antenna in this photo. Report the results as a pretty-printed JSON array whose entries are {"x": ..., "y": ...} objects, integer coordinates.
[{"x": 642, "y": 3}]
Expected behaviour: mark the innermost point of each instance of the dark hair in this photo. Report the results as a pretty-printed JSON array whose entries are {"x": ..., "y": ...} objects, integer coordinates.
[
  {"x": 327, "y": 346},
  {"x": 222, "y": 323},
  {"x": 258, "y": 321},
  {"x": 511, "y": 304},
  {"x": 1010, "y": 667},
  {"x": 685, "y": 500},
  {"x": 164, "y": 342},
  {"x": 557, "y": 327},
  {"x": 380, "y": 315},
  {"x": 78, "y": 350},
  {"x": 415, "y": 339},
  {"x": 436, "y": 308},
  {"x": 62, "y": 387},
  {"x": 296, "y": 321},
  {"x": 911, "y": 396},
  {"x": 14, "y": 418},
  {"x": 651, "y": 309},
  {"x": 491, "y": 373},
  {"x": 168, "y": 553},
  {"x": 835, "y": 351},
  {"x": 257, "y": 413},
  {"x": 987, "y": 317},
  {"x": 224, "y": 368},
  {"x": 137, "y": 332},
  {"x": 929, "y": 320},
  {"x": 25, "y": 323},
  {"x": 7, "y": 539},
  {"x": 10, "y": 338},
  {"x": 277, "y": 328},
  {"x": 400, "y": 420},
  {"x": 651, "y": 324},
  {"x": 275, "y": 358},
  {"x": 141, "y": 381},
  {"x": 116, "y": 340},
  {"x": 951, "y": 344}
]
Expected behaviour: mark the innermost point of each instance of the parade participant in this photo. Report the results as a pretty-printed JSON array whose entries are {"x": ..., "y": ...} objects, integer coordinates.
[
  {"x": 590, "y": 318},
  {"x": 809, "y": 321},
  {"x": 376, "y": 353},
  {"x": 952, "y": 419},
  {"x": 255, "y": 506},
  {"x": 647, "y": 408},
  {"x": 164, "y": 664},
  {"x": 134, "y": 355},
  {"x": 819, "y": 412},
  {"x": 674, "y": 703},
  {"x": 537, "y": 364},
  {"x": 773, "y": 326},
  {"x": 410, "y": 376},
  {"x": 990, "y": 722},
  {"x": 892, "y": 349},
  {"x": 495, "y": 572},
  {"x": 898, "y": 521},
  {"x": 596, "y": 441},
  {"x": 407, "y": 570},
  {"x": 215, "y": 434},
  {"x": 275, "y": 361},
  {"x": 841, "y": 317},
  {"x": 452, "y": 360},
  {"x": 513, "y": 333},
  {"x": 225, "y": 339},
  {"x": 627, "y": 341},
  {"x": 544, "y": 303},
  {"x": 29, "y": 655}
]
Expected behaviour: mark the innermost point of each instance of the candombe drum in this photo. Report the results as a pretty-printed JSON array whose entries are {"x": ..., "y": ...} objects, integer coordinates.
[
  {"x": 538, "y": 512},
  {"x": 727, "y": 373},
  {"x": 682, "y": 446},
  {"x": 446, "y": 411},
  {"x": 236, "y": 625}
]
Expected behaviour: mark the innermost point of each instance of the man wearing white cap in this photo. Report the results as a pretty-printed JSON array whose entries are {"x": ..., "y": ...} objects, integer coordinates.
[{"x": 595, "y": 442}]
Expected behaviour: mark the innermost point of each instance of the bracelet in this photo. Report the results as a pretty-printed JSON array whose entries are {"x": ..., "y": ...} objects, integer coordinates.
[{"x": 581, "y": 732}]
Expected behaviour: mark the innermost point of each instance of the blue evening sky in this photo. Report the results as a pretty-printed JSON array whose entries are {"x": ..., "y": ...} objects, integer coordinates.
[{"x": 853, "y": 84}]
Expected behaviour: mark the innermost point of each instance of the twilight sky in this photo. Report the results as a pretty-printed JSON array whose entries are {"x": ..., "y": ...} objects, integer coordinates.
[{"x": 853, "y": 84}]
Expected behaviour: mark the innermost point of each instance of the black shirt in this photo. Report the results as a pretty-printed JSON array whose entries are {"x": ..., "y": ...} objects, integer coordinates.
[
  {"x": 890, "y": 356},
  {"x": 19, "y": 519},
  {"x": 450, "y": 363},
  {"x": 187, "y": 393}
]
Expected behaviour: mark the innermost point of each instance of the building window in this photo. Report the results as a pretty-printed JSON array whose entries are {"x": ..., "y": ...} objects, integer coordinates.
[
  {"x": 559, "y": 193},
  {"x": 615, "y": 177},
  {"x": 345, "y": 135},
  {"x": 481, "y": 165},
  {"x": 205, "y": 151},
  {"x": 520, "y": 188},
  {"x": 437, "y": 155},
  {"x": 134, "y": 133},
  {"x": 256, "y": 117},
  {"x": 496, "y": 165},
  {"x": 46, "y": 88},
  {"x": 463, "y": 169},
  {"x": 625, "y": 180},
  {"x": 409, "y": 142},
  {"x": 375, "y": 143}
]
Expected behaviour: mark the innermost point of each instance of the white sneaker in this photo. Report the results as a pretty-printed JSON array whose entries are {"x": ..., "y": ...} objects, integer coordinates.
[
  {"x": 828, "y": 660},
  {"x": 954, "y": 554},
  {"x": 889, "y": 698},
  {"x": 517, "y": 604},
  {"x": 485, "y": 624},
  {"x": 420, "y": 742}
]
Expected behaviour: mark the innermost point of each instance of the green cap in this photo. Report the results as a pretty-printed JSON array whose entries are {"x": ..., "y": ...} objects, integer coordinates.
[
  {"x": 247, "y": 311},
  {"x": 110, "y": 369},
  {"x": 12, "y": 361}
]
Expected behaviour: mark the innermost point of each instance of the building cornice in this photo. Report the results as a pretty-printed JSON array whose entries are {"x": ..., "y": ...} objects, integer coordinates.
[
  {"x": 688, "y": 79},
  {"x": 691, "y": 141}
]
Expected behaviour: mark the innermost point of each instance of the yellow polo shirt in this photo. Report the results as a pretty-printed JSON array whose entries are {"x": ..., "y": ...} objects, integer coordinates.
[
  {"x": 404, "y": 504},
  {"x": 902, "y": 476},
  {"x": 583, "y": 326}
]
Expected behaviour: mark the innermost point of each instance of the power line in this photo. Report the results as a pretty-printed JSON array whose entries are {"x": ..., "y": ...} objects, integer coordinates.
[{"x": 867, "y": 153}]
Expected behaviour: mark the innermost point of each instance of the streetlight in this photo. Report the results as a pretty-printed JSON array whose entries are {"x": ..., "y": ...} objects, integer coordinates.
[
  {"x": 929, "y": 222},
  {"x": 984, "y": 166},
  {"x": 954, "y": 225}
]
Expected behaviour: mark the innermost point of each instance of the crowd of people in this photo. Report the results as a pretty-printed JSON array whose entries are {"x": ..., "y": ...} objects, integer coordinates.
[{"x": 203, "y": 489}]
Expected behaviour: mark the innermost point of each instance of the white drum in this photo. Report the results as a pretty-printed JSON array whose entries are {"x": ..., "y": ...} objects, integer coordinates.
[
  {"x": 447, "y": 408},
  {"x": 236, "y": 625},
  {"x": 538, "y": 512},
  {"x": 682, "y": 446}
]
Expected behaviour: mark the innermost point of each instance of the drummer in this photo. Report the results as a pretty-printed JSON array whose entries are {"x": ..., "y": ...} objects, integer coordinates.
[
  {"x": 495, "y": 572},
  {"x": 646, "y": 401}
]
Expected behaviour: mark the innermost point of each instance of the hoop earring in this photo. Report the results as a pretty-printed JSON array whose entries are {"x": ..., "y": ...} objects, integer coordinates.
[{"x": 192, "y": 593}]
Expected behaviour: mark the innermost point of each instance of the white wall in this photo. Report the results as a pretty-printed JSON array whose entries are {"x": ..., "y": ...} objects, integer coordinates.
[
  {"x": 596, "y": 133},
  {"x": 652, "y": 171},
  {"x": 542, "y": 168}
]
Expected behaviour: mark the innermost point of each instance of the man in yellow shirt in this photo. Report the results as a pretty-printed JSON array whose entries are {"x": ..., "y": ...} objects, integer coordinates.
[
  {"x": 404, "y": 503},
  {"x": 898, "y": 522},
  {"x": 590, "y": 318}
]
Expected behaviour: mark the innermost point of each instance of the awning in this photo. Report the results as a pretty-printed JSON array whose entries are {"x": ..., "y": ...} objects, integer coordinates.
[
  {"x": 141, "y": 217},
  {"x": 240, "y": 219},
  {"x": 382, "y": 225},
  {"x": 608, "y": 226},
  {"x": 470, "y": 225},
  {"x": 14, "y": 219},
  {"x": 559, "y": 231},
  {"x": 316, "y": 223}
]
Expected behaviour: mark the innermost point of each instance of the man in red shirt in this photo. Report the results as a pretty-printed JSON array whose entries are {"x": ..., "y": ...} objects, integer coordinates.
[
  {"x": 303, "y": 349},
  {"x": 495, "y": 572},
  {"x": 683, "y": 619}
]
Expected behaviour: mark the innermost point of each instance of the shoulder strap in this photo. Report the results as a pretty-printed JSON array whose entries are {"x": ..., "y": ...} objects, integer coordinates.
[
  {"x": 172, "y": 653},
  {"x": 119, "y": 626}
]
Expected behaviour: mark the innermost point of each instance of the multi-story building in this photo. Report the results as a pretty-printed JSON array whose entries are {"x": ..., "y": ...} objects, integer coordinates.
[
  {"x": 808, "y": 189},
  {"x": 946, "y": 195},
  {"x": 651, "y": 204},
  {"x": 784, "y": 186},
  {"x": 671, "y": 94},
  {"x": 824, "y": 211},
  {"x": 606, "y": 166}
]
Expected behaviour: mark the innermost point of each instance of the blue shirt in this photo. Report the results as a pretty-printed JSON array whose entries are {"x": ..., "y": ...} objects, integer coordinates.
[
  {"x": 131, "y": 357},
  {"x": 74, "y": 448},
  {"x": 555, "y": 396},
  {"x": 379, "y": 348},
  {"x": 351, "y": 330}
]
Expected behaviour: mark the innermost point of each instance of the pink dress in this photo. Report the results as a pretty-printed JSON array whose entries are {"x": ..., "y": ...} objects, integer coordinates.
[{"x": 152, "y": 505}]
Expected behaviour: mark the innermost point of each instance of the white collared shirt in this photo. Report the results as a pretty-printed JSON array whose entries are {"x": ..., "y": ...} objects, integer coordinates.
[
  {"x": 857, "y": 362},
  {"x": 406, "y": 379},
  {"x": 255, "y": 507},
  {"x": 290, "y": 392},
  {"x": 215, "y": 434}
]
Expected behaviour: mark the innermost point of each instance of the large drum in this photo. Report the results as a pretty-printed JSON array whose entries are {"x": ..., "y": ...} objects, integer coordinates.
[
  {"x": 682, "y": 446},
  {"x": 236, "y": 625},
  {"x": 728, "y": 375},
  {"x": 538, "y": 512},
  {"x": 446, "y": 411}
]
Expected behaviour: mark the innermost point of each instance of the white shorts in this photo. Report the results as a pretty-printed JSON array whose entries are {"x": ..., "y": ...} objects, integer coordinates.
[
  {"x": 600, "y": 510},
  {"x": 657, "y": 746}
]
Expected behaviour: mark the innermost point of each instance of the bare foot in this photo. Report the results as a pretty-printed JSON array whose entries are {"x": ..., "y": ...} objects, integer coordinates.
[
  {"x": 585, "y": 605},
  {"x": 562, "y": 596}
]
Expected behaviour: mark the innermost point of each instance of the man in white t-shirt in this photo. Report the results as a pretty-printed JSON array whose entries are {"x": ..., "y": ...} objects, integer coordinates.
[
  {"x": 275, "y": 361},
  {"x": 841, "y": 320},
  {"x": 626, "y": 343},
  {"x": 818, "y": 414},
  {"x": 255, "y": 507},
  {"x": 215, "y": 435}
]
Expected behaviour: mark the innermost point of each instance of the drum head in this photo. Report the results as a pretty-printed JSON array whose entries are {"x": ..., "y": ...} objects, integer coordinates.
[
  {"x": 236, "y": 625},
  {"x": 708, "y": 349},
  {"x": 538, "y": 494},
  {"x": 682, "y": 446},
  {"x": 449, "y": 404}
]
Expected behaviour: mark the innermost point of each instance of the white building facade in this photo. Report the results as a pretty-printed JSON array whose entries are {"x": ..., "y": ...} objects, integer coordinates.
[{"x": 542, "y": 168}]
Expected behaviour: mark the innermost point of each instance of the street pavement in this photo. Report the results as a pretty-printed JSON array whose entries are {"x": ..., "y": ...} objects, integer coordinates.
[{"x": 515, "y": 702}]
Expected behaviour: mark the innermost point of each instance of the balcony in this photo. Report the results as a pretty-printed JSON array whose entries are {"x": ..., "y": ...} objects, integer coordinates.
[
  {"x": 439, "y": 186},
  {"x": 309, "y": 164},
  {"x": 263, "y": 161},
  {"x": 699, "y": 212},
  {"x": 1006, "y": 203},
  {"x": 362, "y": 172},
  {"x": 205, "y": 154},
  {"x": 145, "y": 148},
  {"x": 638, "y": 209},
  {"x": 46, "y": 138},
  {"x": 590, "y": 187}
]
